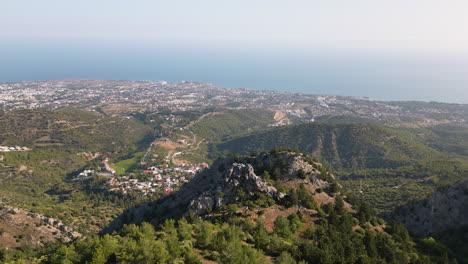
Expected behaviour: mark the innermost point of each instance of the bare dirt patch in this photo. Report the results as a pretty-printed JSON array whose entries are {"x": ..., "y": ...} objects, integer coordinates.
[
  {"x": 168, "y": 145},
  {"x": 279, "y": 116},
  {"x": 270, "y": 214}
]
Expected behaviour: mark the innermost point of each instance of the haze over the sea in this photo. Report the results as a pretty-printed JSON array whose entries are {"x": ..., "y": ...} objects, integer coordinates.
[
  {"x": 378, "y": 76},
  {"x": 392, "y": 50}
]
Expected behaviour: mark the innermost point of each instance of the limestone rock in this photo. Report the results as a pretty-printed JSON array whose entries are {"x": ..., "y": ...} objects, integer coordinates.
[{"x": 218, "y": 186}]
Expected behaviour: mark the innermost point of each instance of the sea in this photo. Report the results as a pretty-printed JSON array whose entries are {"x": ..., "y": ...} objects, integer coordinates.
[{"x": 377, "y": 75}]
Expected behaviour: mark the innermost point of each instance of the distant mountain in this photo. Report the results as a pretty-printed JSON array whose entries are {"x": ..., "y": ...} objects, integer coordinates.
[{"x": 347, "y": 146}]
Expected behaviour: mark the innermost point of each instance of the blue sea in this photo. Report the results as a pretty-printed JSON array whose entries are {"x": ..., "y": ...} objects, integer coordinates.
[{"x": 380, "y": 76}]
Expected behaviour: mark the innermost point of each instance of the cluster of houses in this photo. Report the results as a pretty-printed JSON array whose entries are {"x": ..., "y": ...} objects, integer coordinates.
[
  {"x": 105, "y": 165},
  {"x": 124, "y": 184},
  {"x": 161, "y": 178},
  {"x": 15, "y": 148},
  {"x": 181, "y": 168}
]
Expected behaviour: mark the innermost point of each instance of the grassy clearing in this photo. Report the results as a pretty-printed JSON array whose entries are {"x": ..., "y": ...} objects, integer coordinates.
[{"x": 127, "y": 164}]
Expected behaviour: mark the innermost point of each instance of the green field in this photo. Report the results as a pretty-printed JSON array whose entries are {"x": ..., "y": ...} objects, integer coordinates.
[{"x": 127, "y": 164}]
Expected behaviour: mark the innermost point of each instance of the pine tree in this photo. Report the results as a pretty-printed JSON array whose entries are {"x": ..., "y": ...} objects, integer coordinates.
[
  {"x": 282, "y": 227},
  {"x": 285, "y": 258}
]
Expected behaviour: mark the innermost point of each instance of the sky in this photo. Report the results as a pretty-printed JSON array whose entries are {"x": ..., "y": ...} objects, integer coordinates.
[
  {"x": 401, "y": 25},
  {"x": 73, "y": 30}
]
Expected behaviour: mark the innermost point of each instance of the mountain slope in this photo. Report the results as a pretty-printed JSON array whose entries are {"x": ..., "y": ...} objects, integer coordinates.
[
  {"x": 450, "y": 138},
  {"x": 446, "y": 209},
  {"x": 62, "y": 143},
  {"x": 294, "y": 212},
  {"x": 222, "y": 124},
  {"x": 349, "y": 146},
  {"x": 70, "y": 128},
  {"x": 443, "y": 215},
  {"x": 220, "y": 185}
]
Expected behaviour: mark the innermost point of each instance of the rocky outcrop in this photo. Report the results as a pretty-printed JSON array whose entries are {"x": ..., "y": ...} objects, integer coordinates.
[
  {"x": 444, "y": 210},
  {"x": 20, "y": 226},
  {"x": 227, "y": 181}
]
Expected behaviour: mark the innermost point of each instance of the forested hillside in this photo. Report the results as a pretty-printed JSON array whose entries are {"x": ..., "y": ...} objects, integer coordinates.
[
  {"x": 443, "y": 215},
  {"x": 41, "y": 180},
  {"x": 450, "y": 138},
  {"x": 347, "y": 146},
  {"x": 71, "y": 127},
  {"x": 278, "y": 207},
  {"x": 223, "y": 124},
  {"x": 385, "y": 166}
]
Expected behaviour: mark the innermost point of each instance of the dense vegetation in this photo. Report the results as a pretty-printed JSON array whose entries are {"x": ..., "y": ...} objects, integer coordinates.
[
  {"x": 224, "y": 124},
  {"x": 243, "y": 241},
  {"x": 72, "y": 128},
  {"x": 456, "y": 240},
  {"x": 348, "y": 146},
  {"x": 62, "y": 143},
  {"x": 302, "y": 232},
  {"x": 389, "y": 167},
  {"x": 447, "y": 138},
  {"x": 384, "y": 167}
]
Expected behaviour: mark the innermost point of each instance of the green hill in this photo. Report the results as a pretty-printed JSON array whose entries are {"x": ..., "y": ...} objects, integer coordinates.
[
  {"x": 347, "y": 146},
  {"x": 70, "y": 128},
  {"x": 449, "y": 138}
]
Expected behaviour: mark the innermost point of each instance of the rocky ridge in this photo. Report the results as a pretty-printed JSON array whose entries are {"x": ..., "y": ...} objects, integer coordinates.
[
  {"x": 220, "y": 185},
  {"x": 18, "y": 226}
]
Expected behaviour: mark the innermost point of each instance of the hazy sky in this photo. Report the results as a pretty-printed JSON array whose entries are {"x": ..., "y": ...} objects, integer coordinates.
[{"x": 389, "y": 25}]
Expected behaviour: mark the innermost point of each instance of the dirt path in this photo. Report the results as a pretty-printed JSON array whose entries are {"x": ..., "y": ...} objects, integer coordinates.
[
  {"x": 196, "y": 121},
  {"x": 143, "y": 160}
]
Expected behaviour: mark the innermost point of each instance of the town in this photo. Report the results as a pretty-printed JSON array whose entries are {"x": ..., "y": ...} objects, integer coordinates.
[{"x": 127, "y": 97}]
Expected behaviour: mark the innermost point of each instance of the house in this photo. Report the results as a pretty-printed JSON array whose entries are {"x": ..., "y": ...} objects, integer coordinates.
[{"x": 85, "y": 173}]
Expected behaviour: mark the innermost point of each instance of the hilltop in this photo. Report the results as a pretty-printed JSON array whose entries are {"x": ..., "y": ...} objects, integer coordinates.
[
  {"x": 222, "y": 183},
  {"x": 385, "y": 166}
]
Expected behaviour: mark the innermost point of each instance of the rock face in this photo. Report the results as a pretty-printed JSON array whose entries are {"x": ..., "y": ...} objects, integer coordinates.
[
  {"x": 227, "y": 181},
  {"x": 444, "y": 210}
]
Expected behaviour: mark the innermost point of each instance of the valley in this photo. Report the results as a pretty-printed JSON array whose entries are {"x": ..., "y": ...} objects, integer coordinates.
[{"x": 192, "y": 154}]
